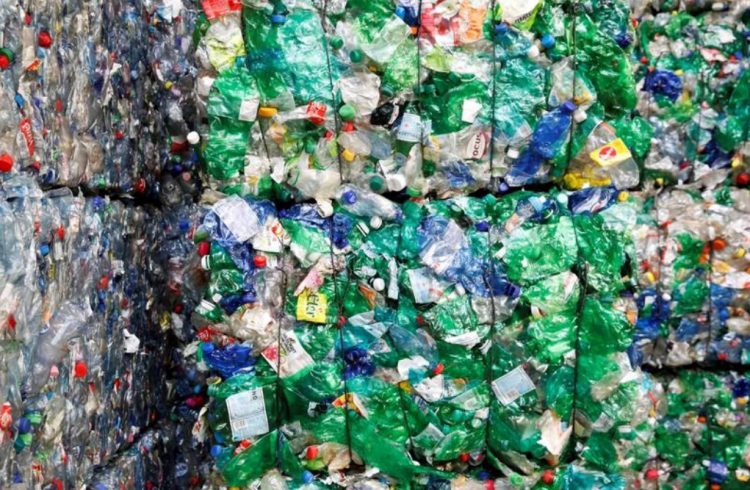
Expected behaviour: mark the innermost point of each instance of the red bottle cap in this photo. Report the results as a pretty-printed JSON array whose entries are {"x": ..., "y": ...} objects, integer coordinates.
[
  {"x": 260, "y": 261},
  {"x": 464, "y": 458},
  {"x": 44, "y": 39},
  {"x": 6, "y": 161},
  {"x": 743, "y": 179},
  {"x": 548, "y": 477},
  {"x": 652, "y": 474},
  {"x": 311, "y": 452},
  {"x": 203, "y": 248},
  {"x": 80, "y": 370},
  {"x": 438, "y": 369}
]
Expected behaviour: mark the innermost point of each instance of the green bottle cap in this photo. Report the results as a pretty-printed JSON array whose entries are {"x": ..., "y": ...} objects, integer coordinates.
[
  {"x": 377, "y": 183},
  {"x": 356, "y": 56},
  {"x": 413, "y": 192},
  {"x": 347, "y": 112},
  {"x": 337, "y": 42},
  {"x": 310, "y": 147}
]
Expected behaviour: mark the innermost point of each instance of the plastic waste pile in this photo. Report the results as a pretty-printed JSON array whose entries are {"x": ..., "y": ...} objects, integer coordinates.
[
  {"x": 694, "y": 278},
  {"x": 693, "y": 89},
  {"x": 420, "y": 340},
  {"x": 82, "y": 367}
]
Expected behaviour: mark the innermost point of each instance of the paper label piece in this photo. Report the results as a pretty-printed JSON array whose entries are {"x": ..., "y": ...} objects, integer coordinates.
[
  {"x": 311, "y": 306},
  {"x": 249, "y": 109},
  {"x": 247, "y": 414},
  {"x": 611, "y": 154},
  {"x": 294, "y": 357},
  {"x": 512, "y": 386},
  {"x": 470, "y": 109},
  {"x": 238, "y": 216}
]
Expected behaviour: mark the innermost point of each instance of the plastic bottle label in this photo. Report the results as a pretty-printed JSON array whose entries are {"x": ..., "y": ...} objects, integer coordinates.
[
  {"x": 217, "y": 8},
  {"x": 512, "y": 386},
  {"x": 470, "y": 110},
  {"x": 611, "y": 154},
  {"x": 294, "y": 357},
  {"x": 410, "y": 128},
  {"x": 311, "y": 307},
  {"x": 247, "y": 414},
  {"x": 249, "y": 109},
  {"x": 477, "y": 146}
]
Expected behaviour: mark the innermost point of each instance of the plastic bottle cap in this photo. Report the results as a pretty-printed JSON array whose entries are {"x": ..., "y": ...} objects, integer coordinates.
[
  {"x": 311, "y": 452},
  {"x": 356, "y": 56},
  {"x": 533, "y": 52},
  {"x": 337, "y": 42},
  {"x": 743, "y": 179},
  {"x": 6, "y": 162},
  {"x": 568, "y": 107},
  {"x": 44, "y": 39},
  {"x": 501, "y": 28},
  {"x": 349, "y": 197},
  {"x": 376, "y": 222},
  {"x": 267, "y": 111},
  {"x": 348, "y": 155},
  {"x": 80, "y": 370},
  {"x": 395, "y": 182},
  {"x": 378, "y": 284},
  {"x": 278, "y": 19},
  {"x": 548, "y": 477},
  {"x": 513, "y": 153},
  {"x": 347, "y": 112},
  {"x": 203, "y": 248},
  {"x": 206, "y": 263},
  {"x": 193, "y": 137},
  {"x": 548, "y": 41},
  {"x": 377, "y": 183},
  {"x": 260, "y": 261},
  {"x": 580, "y": 115}
]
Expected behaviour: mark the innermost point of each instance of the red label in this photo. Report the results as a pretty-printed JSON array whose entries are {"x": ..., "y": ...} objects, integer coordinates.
[
  {"x": 28, "y": 135},
  {"x": 607, "y": 153}
]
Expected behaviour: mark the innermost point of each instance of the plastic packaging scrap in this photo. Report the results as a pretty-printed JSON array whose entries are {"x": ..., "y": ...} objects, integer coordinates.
[
  {"x": 82, "y": 368},
  {"x": 423, "y": 340},
  {"x": 693, "y": 277}
]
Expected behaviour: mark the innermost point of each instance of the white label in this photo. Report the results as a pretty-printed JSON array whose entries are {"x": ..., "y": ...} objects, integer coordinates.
[
  {"x": 470, "y": 110},
  {"x": 247, "y": 414},
  {"x": 249, "y": 109},
  {"x": 238, "y": 216},
  {"x": 477, "y": 146},
  {"x": 410, "y": 128},
  {"x": 294, "y": 357},
  {"x": 513, "y": 385}
]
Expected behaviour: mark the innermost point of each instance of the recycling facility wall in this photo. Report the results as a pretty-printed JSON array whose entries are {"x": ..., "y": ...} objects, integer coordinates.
[{"x": 374, "y": 244}]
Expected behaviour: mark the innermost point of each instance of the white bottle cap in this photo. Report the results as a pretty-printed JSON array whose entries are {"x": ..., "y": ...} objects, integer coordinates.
[
  {"x": 580, "y": 115},
  {"x": 193, "y": 137},
  {"x": 378, "y": 284},
  {"x": 533, "y": 52},
  {"x": 325, "y": 208},
  {"x": 205, "y": 263},
  {"x": 395, "y": 182},
  {"x": 513, "y": 153},
  {"x": 376, "y": 222}
]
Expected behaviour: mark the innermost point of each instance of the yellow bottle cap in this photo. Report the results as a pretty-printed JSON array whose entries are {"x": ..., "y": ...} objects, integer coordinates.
[
  {"x": 348, "y": 155},
  {"x": 267, "y": 111}
]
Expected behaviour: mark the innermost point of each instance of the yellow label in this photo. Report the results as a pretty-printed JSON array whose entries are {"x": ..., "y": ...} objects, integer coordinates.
[
  {"x": 311, "y": 307},
  {"x": 611, "y": 154}
]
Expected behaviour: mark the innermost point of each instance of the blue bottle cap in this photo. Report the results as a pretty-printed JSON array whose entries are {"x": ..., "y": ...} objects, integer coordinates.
[
  {"x": 503, "y": 187},
  {"x": 501, "y": 28},
  {"x": 568, "y": 107},
  {"x": 19, "y": 101},
  {"x": 44, "y": 249},
  {"x": 349, "y": 197},
  {"x": 216, "y": 450},
  {"x": 208, "y": 347},
  {"x": 24, "y": 425},
  {"x": 548, "y": 41},
  {"x": 278, "y": 19},
  {"x": 307, "y": 477},
  {"x": 482, "y": 226}
]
